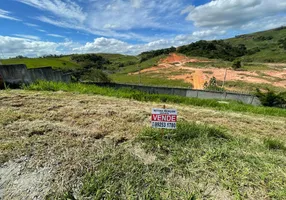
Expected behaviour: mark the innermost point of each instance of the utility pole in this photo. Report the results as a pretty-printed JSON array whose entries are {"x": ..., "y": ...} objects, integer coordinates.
[
  {"x": 224, "y": 78},
  {"x": 138, "y": 65},
  {"x": 139, "y": 74}
]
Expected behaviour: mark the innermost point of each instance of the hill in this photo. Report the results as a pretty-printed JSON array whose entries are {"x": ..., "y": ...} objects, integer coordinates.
[
  {"x": 267, "y": 45},
  {"x": 62, "y": 145}
]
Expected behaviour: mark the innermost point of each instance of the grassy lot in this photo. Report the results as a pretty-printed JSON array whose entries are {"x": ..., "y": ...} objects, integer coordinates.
[{"x": 65, "y": 145}]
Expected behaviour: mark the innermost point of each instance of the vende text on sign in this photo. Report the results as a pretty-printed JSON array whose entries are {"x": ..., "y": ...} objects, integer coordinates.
[{"x": 164, "y": 118}]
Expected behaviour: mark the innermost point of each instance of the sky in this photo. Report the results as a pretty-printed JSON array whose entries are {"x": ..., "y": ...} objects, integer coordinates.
[{"x": 39, "y": 27}]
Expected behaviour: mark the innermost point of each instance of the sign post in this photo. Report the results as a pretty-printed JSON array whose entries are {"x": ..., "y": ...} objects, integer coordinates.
[{"x": 164, "y": 118}]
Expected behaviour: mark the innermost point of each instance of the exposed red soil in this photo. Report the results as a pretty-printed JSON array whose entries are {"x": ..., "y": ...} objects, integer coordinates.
[
  {"x": 197, "y": 76},
  {"x": 179, "y": 59}
]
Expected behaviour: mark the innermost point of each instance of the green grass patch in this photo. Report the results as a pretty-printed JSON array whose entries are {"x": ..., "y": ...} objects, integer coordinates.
[
  {"x": 141, "y": 96},
  {"x": 147, "y": 79},
  {"x": 192, "y": 162}
]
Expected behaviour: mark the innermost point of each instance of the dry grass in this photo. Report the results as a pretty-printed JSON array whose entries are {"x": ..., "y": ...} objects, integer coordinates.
[{"x": 63, "y": 134}]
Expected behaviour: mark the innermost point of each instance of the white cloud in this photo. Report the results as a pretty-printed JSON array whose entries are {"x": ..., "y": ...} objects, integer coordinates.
[
  {"x": 55, "y": 35},
  {"x": 6, "y": 15},
  {"x": 209, "y": 33},
  {"x": 31, "y": 25},
  {"x": 41, "y": 30},
  {"x": 265, "y": 23},
  {"x": 136, "y": 3},
  {"x": 30, "y": 37},
  {"x": 233, "y": 12},
  {"x": 125, "y": 15},
  {"x": 13, "y": 46},
  {"x": 110, "y": 18},
  {"x": 63, "y": 8},
  {"x": 103, "y": 45}
]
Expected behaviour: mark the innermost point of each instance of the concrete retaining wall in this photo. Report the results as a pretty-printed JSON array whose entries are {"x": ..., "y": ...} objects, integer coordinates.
[
  {"x": 245, "y": 98},
  {"x": 15, "y": 75}
]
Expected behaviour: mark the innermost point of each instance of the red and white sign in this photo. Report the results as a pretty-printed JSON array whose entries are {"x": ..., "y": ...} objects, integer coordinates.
[{"x": 164, "y": 118}]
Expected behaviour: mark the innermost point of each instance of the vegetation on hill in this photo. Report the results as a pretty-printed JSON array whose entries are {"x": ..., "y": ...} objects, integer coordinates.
[
  {"x": 267, "y": 46},
  {"x": 152, "y": 54},
  {"x": 217, "y": 49}
]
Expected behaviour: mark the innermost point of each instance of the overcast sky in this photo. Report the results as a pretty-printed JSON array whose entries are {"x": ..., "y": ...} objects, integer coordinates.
[{"x": 38, "y": 27}]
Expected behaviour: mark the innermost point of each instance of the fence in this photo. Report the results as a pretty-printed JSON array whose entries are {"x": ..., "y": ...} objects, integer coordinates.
[{"x": 185, "y": 92}]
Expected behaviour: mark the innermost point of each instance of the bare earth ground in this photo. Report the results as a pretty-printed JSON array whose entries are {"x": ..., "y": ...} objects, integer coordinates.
[
  {"x": 198, "y": 76},
  {"x": 47, "y": 139}
]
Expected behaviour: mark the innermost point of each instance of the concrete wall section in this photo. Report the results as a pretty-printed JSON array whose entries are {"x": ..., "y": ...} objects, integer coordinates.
[
  {"x": 57, "y": 76},
  {"x": 44, "y": 74},
  {"x": 245, "y": 98},
  {"x": 179, "y": 92},
  {"x": 15, "y": 74},
  {"x": 211, "y": 95},
  {"x": 240, "y": 97},
  {"x": 66, "y": 77},
  {"x": 192, "y": 93}
]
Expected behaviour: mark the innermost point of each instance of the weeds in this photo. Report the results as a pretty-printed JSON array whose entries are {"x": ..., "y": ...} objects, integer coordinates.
[{"x": 274, "y": 144}]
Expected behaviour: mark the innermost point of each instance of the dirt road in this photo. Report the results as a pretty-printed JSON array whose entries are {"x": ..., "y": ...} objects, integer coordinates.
[{"x": 198, "y": 80}]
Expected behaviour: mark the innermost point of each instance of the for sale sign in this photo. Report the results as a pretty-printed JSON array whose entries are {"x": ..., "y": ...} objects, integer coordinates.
[{"x": 164, "y": 118}]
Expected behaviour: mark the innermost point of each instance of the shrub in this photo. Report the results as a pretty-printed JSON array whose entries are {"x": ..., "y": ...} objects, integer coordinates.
[
  {"x": 282, "y": 43},
  {"x": 212, "y": 85},
  {"x": 236, "y": 64},
  {"x": 271, "y": 99}
]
